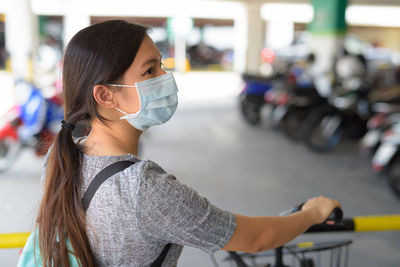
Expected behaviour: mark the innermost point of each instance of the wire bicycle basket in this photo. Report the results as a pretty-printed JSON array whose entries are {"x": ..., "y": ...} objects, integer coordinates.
[{"x": 305, "y": 254}]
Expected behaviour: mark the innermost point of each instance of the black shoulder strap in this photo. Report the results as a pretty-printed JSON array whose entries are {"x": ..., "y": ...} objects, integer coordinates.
[
  {"x": 158, "y": 262},
  {"x": 101, "y": 177}
]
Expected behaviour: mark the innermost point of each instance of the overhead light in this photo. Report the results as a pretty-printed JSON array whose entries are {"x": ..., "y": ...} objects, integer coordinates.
[
  {"x": 383, "y": 16},
  {"x": 289, "y": 12},
  {"x": 373, "y": 15}
]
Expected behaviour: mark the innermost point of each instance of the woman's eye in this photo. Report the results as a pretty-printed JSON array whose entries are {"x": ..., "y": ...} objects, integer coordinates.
[{"x": 149, "y": 71}]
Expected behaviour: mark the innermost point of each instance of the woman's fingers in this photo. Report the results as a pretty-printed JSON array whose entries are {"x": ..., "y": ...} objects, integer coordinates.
[{"x": 323, "y": 207}]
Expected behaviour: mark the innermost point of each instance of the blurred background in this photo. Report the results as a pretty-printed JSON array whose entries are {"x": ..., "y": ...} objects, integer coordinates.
[{"x": 279, "y": 101}]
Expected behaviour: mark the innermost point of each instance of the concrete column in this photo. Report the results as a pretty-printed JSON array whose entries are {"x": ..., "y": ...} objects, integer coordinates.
[
  {"x": 325, "y": 49},
  {"x": 21, "y": 37},
  {"x": 75, "y": 19},
  {"x": 180, "y": 54},
  {"x": 240, "y": 41},
  {"x": 255, "y": 37},
  {"x": 328, "y": 29},
  {"x": 180, "y": 27}
]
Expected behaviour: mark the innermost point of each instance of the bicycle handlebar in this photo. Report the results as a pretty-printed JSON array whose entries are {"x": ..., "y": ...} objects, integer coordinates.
[
  {"x": 360, "y": 224},
  {"x": 337, "y": 213},
  {"x": 336, "y": 223}
]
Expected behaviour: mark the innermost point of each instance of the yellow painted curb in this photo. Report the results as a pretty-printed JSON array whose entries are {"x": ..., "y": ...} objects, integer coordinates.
[{"x": 14, "y": 240}]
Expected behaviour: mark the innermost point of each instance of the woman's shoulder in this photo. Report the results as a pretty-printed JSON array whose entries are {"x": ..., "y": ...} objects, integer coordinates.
[
  {"x": 93, "y": 164},
  {"x": 145, "y": 170}
]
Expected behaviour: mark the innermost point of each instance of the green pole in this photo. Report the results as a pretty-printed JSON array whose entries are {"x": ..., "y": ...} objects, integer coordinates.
[{"x": 329, "y": 17}]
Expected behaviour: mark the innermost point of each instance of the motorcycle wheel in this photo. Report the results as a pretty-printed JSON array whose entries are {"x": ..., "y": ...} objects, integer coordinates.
[
  {"x": 293, "y": 122},
  {"x": 9, "y": 150},
  {"x": 356, "y": 127},
  {"x": 323, "y": 130},
  {"x": 251, "y": 111},
  {"x": 394, "y": 175}
]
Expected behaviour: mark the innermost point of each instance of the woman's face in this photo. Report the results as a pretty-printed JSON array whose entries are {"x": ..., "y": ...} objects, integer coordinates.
[{"x": 146, "y": 65}]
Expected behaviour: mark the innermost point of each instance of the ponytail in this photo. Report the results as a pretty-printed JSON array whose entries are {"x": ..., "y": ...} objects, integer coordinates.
[
  {"x": 61, "y": 213},
  {"x": 98, "y": 54}
]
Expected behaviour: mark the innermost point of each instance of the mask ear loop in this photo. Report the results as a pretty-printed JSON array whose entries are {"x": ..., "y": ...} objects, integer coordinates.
[
  {"x": 140, "y": 102},
  {"x": 121, "y": 85},
  {"x": 131, "y": 115},
  {"x": 120, "y": 110}
]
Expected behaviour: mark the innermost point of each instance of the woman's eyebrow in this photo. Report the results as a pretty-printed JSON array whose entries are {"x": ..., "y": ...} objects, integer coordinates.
[{"x": 152, "y": 60}]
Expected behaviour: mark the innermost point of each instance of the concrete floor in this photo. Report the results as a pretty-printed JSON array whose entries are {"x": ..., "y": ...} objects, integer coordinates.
[{"x": 247, "y": 170}]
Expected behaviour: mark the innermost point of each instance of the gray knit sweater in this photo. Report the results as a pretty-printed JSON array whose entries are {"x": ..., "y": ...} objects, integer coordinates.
[{"x": 136, "y": 212}]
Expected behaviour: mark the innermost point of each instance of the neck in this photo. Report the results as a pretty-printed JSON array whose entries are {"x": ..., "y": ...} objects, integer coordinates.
[{"x": 118, "y": 138}]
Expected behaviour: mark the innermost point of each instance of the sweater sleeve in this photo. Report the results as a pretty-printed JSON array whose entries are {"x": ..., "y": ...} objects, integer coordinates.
[{"x": 172, "y": 212}]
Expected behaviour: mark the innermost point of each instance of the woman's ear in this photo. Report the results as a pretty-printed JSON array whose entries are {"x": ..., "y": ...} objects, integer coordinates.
[{"x": 104, "y": 96}]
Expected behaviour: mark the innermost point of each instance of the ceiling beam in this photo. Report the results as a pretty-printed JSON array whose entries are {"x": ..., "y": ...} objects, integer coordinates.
[{"x": 353, "y": 2}]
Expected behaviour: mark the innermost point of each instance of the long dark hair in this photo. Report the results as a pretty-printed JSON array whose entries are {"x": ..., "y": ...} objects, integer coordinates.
[{"x": 98, "y": 54}]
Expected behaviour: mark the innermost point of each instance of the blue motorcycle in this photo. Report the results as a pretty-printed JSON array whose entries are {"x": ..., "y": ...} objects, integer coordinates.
[{"x": 33, "y": 123}]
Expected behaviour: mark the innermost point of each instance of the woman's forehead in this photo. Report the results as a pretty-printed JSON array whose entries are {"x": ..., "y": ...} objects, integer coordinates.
[{"x": 147, "y": 51}]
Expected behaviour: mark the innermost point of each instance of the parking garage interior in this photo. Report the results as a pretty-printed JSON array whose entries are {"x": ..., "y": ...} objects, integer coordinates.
[{"x": 228, "y": 138}]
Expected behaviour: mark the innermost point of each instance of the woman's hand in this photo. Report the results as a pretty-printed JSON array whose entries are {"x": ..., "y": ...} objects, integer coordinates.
[
  {"x": 322, "y": 206},
  {"x": 254, "y": 234}
]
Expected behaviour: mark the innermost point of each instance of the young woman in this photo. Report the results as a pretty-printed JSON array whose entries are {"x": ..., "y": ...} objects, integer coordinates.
[{"x": 113, "y": 77}]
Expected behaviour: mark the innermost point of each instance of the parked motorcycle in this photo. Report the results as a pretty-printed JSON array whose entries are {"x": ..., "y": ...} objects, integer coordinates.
[
  {"x": 32, "y": 123},
  {"x": 294, "y": 97},
  {"x": 305, "y": 96},
  {"x": 343, "y": 116},
  {"x": 291, "y": 105},
  {"x": 386, "y": 160},
  {"x": 386, "y": 115},
  {"x": 251, "y": 98},
  {"x": 347, "y": 109},
  {"x": 277, "y": 98}
]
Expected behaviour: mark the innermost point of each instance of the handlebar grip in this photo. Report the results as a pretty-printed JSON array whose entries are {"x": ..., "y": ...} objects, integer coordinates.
[{"x": 336, "y": 215}]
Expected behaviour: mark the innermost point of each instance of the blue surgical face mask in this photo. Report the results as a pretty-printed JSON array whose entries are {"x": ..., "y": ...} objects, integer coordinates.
[{"x": 158, "y": 101}]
